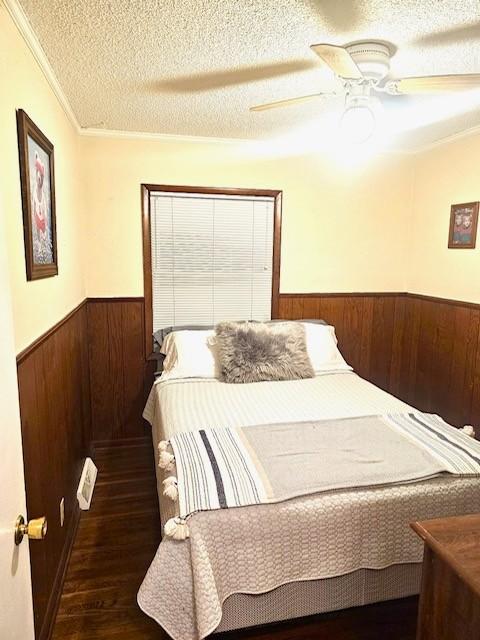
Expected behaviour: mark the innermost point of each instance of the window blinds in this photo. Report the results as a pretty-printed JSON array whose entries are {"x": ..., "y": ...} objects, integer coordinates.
[{"x": 211, "y": 258}]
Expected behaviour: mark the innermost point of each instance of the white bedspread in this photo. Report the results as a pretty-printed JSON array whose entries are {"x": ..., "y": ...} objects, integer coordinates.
[
  {"x": 188, "y": 404},
  {"x": 255, "y": 549}
]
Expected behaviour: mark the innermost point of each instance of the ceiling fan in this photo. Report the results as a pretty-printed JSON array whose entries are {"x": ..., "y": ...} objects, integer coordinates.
[{"x": 362, "y": 69}]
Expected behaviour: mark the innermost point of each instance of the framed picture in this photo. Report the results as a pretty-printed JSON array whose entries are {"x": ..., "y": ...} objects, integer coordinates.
[
  {"x": 463, "y": 225},
  {"x": 38, "y": 199}
]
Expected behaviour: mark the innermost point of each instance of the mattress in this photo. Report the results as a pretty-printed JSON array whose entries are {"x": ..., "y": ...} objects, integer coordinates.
[{"x": 257, "y": 550}]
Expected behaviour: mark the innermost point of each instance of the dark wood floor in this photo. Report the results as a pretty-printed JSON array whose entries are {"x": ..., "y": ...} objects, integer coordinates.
[{"x": 116, "y": 542}]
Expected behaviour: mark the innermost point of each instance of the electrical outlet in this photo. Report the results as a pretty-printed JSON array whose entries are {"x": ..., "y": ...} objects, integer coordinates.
[{"x": 62, "y": 511}]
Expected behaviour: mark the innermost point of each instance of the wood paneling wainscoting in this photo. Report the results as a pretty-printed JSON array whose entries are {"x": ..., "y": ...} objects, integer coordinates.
[
  {"x": 367, "y": 328},
  {"x": 86, "y": 380},
  {"x": 53, "y": 380},
  {"x": 120, "y": 375},
  {"x": 441, "y": 358},
  {"x": 422, "y": 349}
]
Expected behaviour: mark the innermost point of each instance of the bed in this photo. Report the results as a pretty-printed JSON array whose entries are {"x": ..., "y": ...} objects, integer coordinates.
[{"x": 264, "y": 563}]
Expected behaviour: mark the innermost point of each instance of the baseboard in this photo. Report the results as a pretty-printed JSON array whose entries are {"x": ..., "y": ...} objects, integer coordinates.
[{"x": 56, "y": 593}]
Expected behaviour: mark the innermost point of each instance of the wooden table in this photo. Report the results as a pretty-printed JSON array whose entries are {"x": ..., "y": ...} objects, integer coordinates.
[{"x": 450, "y": 595}]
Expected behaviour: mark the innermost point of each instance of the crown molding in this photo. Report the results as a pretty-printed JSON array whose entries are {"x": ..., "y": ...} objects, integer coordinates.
[
  {"x": 163, "y": 137},
  {"x": 23, "y": 25},
  {"x": 171, "y": 137},
  {"x": 471, "y": 132}
]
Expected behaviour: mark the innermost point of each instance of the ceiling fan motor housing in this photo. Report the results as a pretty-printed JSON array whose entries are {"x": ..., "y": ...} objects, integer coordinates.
[{"x": 372, "y": 58}]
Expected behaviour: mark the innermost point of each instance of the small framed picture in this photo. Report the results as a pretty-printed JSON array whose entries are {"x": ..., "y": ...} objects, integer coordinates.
[
  {"x": 38, "y": 199},
  {"x": 463, "y": 225}
]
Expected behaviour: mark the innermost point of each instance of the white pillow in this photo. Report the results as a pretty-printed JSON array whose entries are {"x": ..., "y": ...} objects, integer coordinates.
[
  {"x": 322, "y": 348},
  {"x": 191, "y": 354},
  {"x": 188, "y": 355},
  {"x": 169, "y": 351}
]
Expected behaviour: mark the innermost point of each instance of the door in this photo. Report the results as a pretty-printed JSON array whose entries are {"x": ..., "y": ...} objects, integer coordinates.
[{"x": 16, "y": 610}]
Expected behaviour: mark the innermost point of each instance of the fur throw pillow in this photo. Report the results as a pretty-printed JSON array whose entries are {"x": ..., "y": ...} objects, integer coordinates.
[{"x": 256, "y": 351}]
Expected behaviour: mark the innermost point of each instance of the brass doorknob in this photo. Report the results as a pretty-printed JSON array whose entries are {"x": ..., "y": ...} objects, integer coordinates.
[{"x": 35, "y": 529}]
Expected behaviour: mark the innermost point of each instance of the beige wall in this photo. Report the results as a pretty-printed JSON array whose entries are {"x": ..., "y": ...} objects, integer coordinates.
[
  {"x": 378, "y": 226},
  {"x": 344, "y": 228},
  {"x": 445, "y": 175},
  {"x": 40, "y": 304}
]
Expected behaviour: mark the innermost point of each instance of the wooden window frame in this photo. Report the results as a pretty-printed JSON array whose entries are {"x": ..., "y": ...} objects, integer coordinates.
[{"x": 146, "y": 189}]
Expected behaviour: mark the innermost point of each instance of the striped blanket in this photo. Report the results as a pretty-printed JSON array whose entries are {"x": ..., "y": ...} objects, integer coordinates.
[{"x": 222, "y": 468}]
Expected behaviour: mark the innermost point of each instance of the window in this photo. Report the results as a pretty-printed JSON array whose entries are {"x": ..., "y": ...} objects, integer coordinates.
[{"x": 209, "y": 255}]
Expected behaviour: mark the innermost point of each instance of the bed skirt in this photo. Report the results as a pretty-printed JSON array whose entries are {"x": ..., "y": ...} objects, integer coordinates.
[
  {"x": 306, "y": 598},
  {"x": 300, "y": 599}
]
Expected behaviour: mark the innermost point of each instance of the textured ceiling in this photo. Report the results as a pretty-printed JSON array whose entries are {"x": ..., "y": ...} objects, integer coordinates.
[{"x": 193, "y": 67}]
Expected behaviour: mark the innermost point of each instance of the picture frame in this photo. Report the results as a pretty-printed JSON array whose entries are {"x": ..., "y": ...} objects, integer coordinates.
[
  {"x": 37, "y": 179},
  {"x": 463, "y": 225}
]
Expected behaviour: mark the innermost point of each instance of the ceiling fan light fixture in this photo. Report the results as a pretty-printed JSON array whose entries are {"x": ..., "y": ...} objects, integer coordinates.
[
  {"x": 358, "y": 121},
  {"x": 372, "y": 58}
]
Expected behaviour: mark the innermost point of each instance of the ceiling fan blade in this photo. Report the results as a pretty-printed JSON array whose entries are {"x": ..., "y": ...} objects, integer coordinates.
[
  {"x": 450, "y": 36},
  {"x": 339, "y": 60},
  {"x": 287, "y": 102},
  {"x": 438, "y": 84},
  {"x": 217, "y": 79}
]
